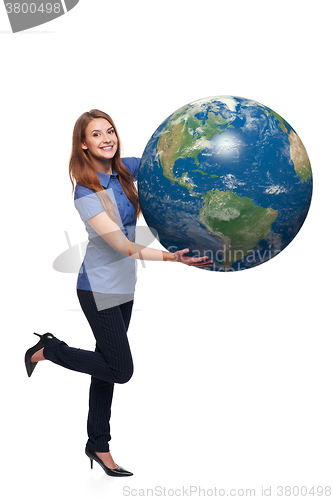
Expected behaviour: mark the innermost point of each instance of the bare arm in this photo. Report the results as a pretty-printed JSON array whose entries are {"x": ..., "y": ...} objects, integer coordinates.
[{"x": 113, "y": 235}]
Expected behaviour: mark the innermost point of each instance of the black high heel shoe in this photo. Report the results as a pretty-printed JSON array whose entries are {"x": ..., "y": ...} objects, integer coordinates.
[
  {"x": 30, "y": 352},
  {"x": 119, "y": 471}
]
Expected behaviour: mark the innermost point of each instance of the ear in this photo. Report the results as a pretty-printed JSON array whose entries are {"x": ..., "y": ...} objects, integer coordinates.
[{"x": 84, "y": 145}]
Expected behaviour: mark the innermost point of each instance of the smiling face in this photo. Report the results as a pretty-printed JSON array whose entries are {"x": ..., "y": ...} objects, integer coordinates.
[{"x": 101, "y": 141}]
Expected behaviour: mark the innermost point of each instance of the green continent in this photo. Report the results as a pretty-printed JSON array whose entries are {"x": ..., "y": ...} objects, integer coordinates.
[
  {"x": 282, "y": 123},
  {"x": 298, "y": 153},
  {"x": 237, "y": 222},
  {"x": 185, "y": 136},
  {"x": 299, "y": 157}
]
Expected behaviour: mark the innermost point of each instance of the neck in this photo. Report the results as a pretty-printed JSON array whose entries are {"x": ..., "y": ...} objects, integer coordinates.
[{"x": 103, "y": 166}]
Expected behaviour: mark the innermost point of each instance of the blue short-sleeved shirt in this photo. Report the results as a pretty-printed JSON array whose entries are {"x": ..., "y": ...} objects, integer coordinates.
[{"x": 105, "y": 270}]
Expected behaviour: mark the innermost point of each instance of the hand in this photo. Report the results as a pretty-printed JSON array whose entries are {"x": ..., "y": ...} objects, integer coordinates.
[{"x": 191, "y": 261}]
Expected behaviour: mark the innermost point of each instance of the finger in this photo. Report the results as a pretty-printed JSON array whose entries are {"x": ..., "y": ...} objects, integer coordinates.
[
  {"x": 200, "y": 259},
  {"x": 201, "y": 264},
  {"x": 208, "y": 263}
]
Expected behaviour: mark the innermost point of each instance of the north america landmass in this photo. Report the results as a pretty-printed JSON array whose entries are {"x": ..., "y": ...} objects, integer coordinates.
[{"x": 235, "y": 220}]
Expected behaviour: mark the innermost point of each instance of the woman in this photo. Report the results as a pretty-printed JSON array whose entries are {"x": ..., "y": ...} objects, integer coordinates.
[{"x": 108, "y": 203}]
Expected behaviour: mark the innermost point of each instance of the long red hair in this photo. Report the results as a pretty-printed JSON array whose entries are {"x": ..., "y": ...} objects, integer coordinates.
[{"x": 82, "y": 171}]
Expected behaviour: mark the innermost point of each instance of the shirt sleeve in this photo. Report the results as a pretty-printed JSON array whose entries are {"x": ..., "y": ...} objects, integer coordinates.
[
  {"x": 132, "y": 164},
  {"x": 87, "y": 202}
]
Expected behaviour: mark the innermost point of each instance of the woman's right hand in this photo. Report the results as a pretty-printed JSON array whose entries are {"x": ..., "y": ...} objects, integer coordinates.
[
  {"x": 113, "y": 235},
  {"x": 191, "y": 261}
]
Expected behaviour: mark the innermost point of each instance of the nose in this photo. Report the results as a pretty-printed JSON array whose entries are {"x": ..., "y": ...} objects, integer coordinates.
[{"x": 107, "y": 139}]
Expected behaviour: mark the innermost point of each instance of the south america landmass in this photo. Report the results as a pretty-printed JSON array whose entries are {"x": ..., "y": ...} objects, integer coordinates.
[{"x": 237, "y": 222}]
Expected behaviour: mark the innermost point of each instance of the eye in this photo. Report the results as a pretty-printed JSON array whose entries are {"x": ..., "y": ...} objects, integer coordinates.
[
  {"x": 111, "y": 131},
  {"x": 96, "y": 134}
]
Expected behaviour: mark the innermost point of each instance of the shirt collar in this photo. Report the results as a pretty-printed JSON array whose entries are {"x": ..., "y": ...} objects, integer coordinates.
[{"x": 104, "y": 179}]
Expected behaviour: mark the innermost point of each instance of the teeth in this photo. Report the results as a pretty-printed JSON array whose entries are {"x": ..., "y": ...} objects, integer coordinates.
[{"x": 108, "y": 147}]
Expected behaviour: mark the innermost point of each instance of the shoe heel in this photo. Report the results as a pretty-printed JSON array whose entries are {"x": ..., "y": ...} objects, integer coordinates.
[
  {"x": 91, "y": 463},
  {"x": 30, "y": 366}
]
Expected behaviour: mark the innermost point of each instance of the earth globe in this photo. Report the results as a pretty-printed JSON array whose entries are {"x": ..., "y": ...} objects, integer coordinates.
[{"x": 226, "y": 177}]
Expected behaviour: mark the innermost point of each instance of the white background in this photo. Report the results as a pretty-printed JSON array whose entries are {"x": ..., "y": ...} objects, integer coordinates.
[{"x": 233, "y": 371}]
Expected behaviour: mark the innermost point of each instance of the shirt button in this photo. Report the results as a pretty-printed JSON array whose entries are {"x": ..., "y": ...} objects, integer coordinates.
[{"x": 121, "y": 194}]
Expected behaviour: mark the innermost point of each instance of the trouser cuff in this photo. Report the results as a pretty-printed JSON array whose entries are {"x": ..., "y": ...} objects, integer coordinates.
[
  {"x": 50, "y": 349},
  {"x": 99, "y": 447}
]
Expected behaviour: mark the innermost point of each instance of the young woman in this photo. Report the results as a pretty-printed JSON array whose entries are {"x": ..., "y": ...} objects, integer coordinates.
[{"x": 107, "y": 201}]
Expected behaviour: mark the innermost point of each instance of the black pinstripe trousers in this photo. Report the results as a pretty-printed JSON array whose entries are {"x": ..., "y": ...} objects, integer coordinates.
[{"x": 110, "y": 363}]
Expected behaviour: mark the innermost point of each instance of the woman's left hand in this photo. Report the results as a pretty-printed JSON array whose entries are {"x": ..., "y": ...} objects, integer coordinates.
[{"x": 191, "y": 261}]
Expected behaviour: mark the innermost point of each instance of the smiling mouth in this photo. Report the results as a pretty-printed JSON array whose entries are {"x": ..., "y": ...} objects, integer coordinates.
[{"x": 107, "y": 148}]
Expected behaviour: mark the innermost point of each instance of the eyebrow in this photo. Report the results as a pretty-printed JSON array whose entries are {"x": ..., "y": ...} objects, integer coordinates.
[{"x": 99, "y": 130}]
